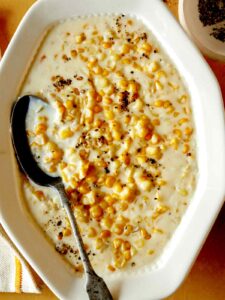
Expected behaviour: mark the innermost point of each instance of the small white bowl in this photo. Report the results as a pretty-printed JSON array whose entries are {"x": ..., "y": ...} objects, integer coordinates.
[
  {"x": 201, "y": 35},
  {"x": 160, "y": 280}
]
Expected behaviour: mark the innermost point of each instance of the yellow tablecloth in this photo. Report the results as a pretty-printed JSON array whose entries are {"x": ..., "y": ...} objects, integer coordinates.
[{"x": 206, "y": 280}]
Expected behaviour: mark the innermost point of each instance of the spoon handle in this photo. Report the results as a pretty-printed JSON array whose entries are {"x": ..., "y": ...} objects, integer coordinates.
[{"x": 95, "y": 285}]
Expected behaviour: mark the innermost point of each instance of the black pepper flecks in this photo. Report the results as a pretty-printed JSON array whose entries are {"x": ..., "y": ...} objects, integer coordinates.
[
  {"x": 211, "y": 11},
  {"x": 219, "y": 33}
]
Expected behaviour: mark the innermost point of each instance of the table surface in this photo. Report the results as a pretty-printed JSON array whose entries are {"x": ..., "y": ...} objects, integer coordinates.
[{"x": 206, "y": 280}]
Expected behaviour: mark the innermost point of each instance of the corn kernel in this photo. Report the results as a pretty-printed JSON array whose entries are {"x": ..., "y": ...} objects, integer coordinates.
[
  {"x": 96, "y": 211},
  {"x": 128, "y": 229},
  {"x": 105, "y": 234},
  {"x": 73, "y": 53},
  {"x": 186, "y": 148},
  {"x": 109, "y": 114},
  {"x": 99, "y": 244},
  {"x": 155, "y": 139},
  {"x": 146, "y": 47},
  {"x": 110, "y": 181},
  {"x": 127, "y": 254},
  {"x": 67, "y": 232},
  {"x": 145, "y": 234},
  {"x": 107, "y": 45},
  {"x": 118, "y": 229},
  {"x": 188, "y": 131},
  {"x": 183, "y": 192},
  {"x": 80, "y": 38},
  {"x": 41, "y": 128},
  {"x": 106, "y": 222},
  {"x": 97, "y": 109},
  {"x": 117, "y": 243},
  {"x": 154, "y": 66},
  {"x": 111, "y": 268},
  {"x": 66, "y": 133},
  {"x": 92, "y": 232}
]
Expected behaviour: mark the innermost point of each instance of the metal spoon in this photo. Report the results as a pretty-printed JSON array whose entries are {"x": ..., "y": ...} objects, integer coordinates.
[{"x": 95, "y": 285}]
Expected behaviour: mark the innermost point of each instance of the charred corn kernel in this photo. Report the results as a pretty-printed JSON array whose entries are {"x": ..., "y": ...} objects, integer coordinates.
[
  {"x": 186, "y": 148},
  {"x": 41, "y": 128},
  {"x": 110, "y": 181},
  {"x": 118, "y": 229},
  {"x": 188, "y": 131},
  {"x": 97, "y": 109},
  {"x": 109, "y": 114},
  {"x": 107, "y": 45},
  {"x": 111, "y": 268},
  {"x": 117, "y": 243},
  {"x": 145, "y": 234},
  {"x": 96, "y": 211},
  {"x": 80, "y": 38},
  {"x": 105, "y": 234},
  {"x": 66, "y": 133},
  {"x": 67, "y": 232},
  {"x": 106, "y": 222},
  {"x": 99, "y": 244},
  {"x": 183, "y": 192}
]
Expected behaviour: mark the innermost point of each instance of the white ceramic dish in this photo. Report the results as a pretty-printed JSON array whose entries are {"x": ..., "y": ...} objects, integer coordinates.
[
  {"x": 189, "y": 18},
  {"x": 162, "y": 279}
]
